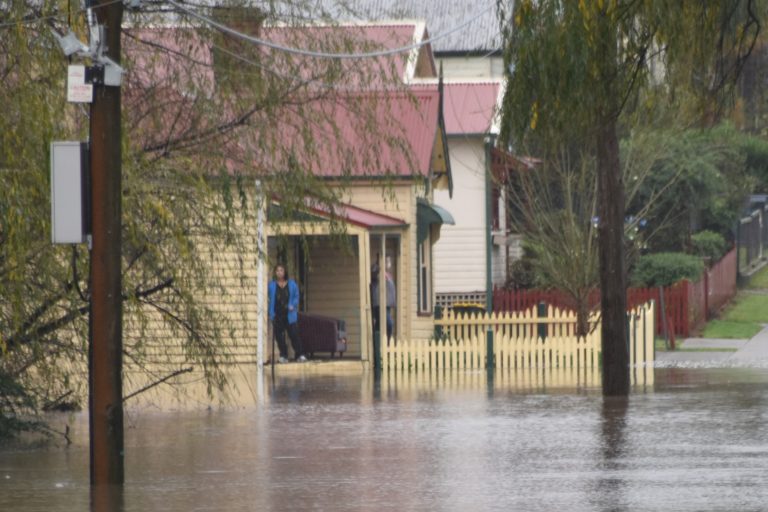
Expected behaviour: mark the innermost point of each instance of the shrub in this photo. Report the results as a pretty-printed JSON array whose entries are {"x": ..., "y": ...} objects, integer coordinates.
[
  {"x": 709, "y": 244},
  {"x": 521, "y": 275},
  {"x": 666, "y": 268}
]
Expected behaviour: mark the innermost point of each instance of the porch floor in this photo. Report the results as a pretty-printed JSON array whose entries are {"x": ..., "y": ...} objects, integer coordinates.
[{"x": 321, "y": 366}]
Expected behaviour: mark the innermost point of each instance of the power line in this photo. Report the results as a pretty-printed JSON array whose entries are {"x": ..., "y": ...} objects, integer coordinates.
[{"x": 323, "y": 55}]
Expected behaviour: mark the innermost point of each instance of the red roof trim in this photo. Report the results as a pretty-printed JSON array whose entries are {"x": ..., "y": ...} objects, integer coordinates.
[{"x": 358, "y": 216}]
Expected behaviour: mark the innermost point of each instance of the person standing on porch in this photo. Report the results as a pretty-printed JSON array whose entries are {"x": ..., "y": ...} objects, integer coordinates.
[
  {"x": 284, "y": 313},
  {"x": 391, "y": 299}
]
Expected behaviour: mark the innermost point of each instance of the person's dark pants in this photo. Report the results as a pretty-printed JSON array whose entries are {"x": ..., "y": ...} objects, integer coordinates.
[
  {"x": 390, "y": 322},
  {"x": 293, "y": 333}
]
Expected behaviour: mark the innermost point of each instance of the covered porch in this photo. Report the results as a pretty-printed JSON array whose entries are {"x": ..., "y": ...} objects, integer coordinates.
[{"x": 333, "y": 271}]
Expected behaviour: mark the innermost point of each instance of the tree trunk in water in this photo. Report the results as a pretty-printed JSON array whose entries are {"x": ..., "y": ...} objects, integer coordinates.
[{"x": 613, "y": 281}]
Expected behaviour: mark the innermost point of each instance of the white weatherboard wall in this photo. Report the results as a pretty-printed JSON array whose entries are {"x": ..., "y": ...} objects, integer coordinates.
[{"x": 459, "y": 257}]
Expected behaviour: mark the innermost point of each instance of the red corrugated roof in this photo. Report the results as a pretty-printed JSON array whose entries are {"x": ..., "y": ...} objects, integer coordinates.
[
  {"x": 372, "y": 134},
  {"x": 400, "y": 132},
  {"x": 469, "y": 107}
]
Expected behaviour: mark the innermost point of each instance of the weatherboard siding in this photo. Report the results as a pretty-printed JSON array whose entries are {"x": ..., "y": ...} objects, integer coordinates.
[{"x": 459, "y": 256}]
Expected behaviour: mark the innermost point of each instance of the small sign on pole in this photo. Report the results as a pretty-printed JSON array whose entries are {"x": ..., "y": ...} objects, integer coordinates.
[
  {"x": 69, "y": 190},
  {"x": 78, "y": 91}
]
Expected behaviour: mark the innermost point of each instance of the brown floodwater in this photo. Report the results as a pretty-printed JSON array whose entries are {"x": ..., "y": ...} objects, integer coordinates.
[{"x": 695, "y": 439}]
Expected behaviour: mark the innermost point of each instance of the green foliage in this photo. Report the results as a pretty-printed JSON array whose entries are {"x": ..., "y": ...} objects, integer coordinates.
[
  {"x": 572, "y": 64},
  {"x": 709, "y": 244},
  {"x": 755, "y": 150},
  {"x": 697, "y": 181},
  {"x": 666, "y": 268}
]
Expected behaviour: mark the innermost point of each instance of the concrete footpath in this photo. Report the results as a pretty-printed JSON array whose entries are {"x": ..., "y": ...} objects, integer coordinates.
[
  {"x": 728, "y": 351},
  {"x": 756, "y": 349}
]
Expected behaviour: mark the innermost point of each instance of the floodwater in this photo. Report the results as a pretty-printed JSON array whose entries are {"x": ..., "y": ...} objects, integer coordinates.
[{"x": 697, "y": 439}]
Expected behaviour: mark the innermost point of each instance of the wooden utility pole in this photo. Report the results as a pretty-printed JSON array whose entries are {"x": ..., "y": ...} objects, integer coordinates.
[{"x": 105, "y": 400}]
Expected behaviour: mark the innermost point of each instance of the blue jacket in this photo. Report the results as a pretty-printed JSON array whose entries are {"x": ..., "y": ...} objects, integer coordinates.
[{"x": 293, "y": 300}]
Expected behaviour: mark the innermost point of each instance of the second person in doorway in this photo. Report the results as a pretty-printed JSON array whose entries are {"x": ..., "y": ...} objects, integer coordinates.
[{"x": 391, "y": 297}]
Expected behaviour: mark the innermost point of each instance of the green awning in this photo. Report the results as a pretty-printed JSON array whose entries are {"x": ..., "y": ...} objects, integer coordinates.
[{"x": 428, "y": 214}]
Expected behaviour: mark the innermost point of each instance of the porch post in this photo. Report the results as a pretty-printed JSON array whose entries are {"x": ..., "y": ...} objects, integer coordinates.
[
  {"x": 381, "y": 337},
  {"x": 383, "y": 289},
  {"x": 261, "y": 255},
  {"x": 364, "y": 269}
]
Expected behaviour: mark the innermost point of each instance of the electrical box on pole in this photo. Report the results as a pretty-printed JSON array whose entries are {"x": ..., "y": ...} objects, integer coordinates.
[{"x": 70, "y": 217}]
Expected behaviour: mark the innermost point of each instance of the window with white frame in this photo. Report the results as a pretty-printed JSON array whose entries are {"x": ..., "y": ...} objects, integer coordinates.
[{"x": 425, "y": 277}]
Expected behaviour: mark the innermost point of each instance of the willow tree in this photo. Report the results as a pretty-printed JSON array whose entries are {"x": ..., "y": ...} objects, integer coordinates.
[
  {"x": 556, "y": 209},
  {"x": 576, "y": 68},
  {"x": 205, "y": 115}
]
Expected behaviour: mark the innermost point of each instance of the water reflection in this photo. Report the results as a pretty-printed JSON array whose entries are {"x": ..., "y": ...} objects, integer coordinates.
[
  {"x": 107, "y": 498},
  {"x": 611, "y": 484}
]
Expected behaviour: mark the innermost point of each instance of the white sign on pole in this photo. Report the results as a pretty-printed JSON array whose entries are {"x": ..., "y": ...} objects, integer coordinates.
[
  {"x": 67, "y": 193},
  {"x": 77, "y": 90}
]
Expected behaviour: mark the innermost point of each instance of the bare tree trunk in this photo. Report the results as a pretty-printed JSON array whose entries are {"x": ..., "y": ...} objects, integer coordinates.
[{"x": 613, "y": 281}]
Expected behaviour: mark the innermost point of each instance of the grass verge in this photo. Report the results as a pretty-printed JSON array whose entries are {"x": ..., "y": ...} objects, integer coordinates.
[
  {"x": 730, "y": 330},
  {"x": 742, "y": 320},
  {"x": 748, "y": 308}
]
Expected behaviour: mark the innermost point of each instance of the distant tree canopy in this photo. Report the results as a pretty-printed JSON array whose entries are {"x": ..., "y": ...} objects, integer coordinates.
[{"x": 700, "y": 182}]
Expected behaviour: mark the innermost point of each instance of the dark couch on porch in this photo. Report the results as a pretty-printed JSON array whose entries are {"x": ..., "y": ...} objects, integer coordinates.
[{"x": 321, "y": 333}]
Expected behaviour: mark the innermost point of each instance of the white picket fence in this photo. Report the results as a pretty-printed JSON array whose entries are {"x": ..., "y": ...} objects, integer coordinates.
[{"x": 520, "y": 340}]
